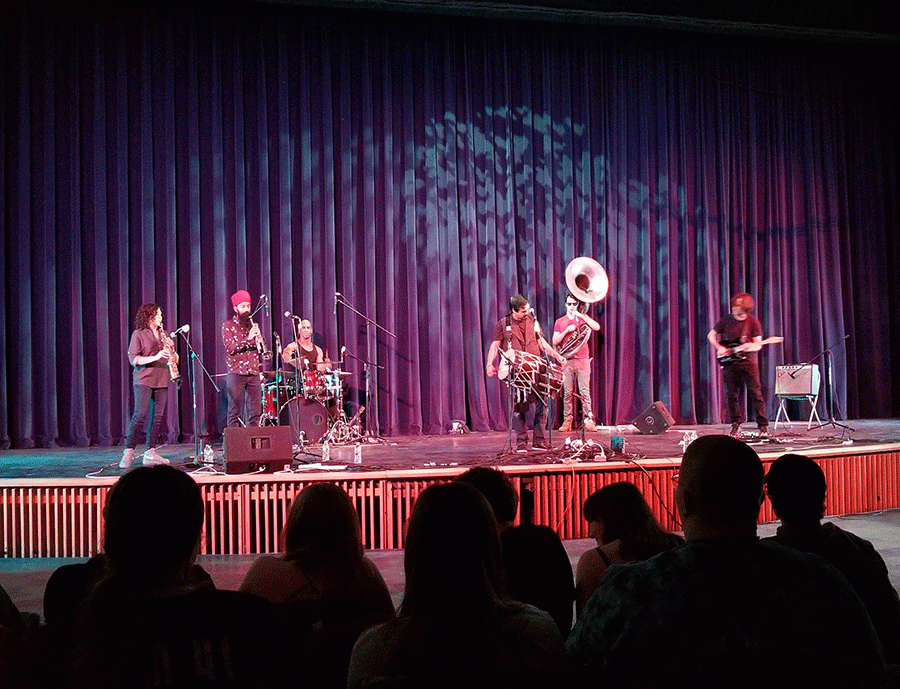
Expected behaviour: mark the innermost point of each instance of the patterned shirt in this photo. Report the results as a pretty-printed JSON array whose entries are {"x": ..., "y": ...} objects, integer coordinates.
[
  {"x": 241, "y": 354},
  {"x": 735, "y": 613}
]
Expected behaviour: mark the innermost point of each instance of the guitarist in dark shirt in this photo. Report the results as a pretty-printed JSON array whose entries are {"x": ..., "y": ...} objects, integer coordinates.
[{"x": 737, "y": 337}]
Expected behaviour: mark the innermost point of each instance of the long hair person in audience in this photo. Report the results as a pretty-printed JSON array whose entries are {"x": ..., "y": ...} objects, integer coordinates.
[
  {"x": 323, "y": 582},
  {"x": 625, "y": 530},
  {"x": 456, "y": 626}
]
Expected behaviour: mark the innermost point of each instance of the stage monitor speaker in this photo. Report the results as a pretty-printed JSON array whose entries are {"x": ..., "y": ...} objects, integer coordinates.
[
  {"x": 263, "y": 449},
  {"x": 797, "y": 381},
  {"x": 654, "y": 419}
]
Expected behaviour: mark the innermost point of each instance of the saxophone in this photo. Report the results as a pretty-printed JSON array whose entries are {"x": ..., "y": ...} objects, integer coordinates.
[{"x": 172, "y": 363}]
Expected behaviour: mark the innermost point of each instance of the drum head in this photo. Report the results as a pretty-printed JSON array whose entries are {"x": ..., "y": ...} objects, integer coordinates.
[{"x": 308, "y": 419}]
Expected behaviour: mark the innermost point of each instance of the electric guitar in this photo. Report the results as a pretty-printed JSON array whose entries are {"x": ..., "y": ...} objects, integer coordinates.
[{"x": 737, "y": 351}]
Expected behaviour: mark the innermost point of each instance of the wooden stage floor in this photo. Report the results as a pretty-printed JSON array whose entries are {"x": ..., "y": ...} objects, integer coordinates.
[
  {"x": 422, "y": 453},
  {"x": 51, "y": 500}
]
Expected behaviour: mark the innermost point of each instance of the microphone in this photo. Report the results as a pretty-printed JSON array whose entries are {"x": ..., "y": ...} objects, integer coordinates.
[
  {"x": 183, "y": 329},
  {"x": 266, "y": 301},
  {"x": 288, "y": 314},
  {"x": 537, "y": 326},
  {"x": 343, "y": 351},
  {"x": 336, "y": 295}
]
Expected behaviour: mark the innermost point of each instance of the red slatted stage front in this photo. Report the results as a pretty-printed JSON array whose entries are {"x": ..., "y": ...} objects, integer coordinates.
[{"x": 52, "y": 500}]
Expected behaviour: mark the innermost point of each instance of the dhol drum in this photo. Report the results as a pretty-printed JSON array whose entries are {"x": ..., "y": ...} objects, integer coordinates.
[
  {"x": 308, "y": 419},
  {"x": 530, "y": 373}
]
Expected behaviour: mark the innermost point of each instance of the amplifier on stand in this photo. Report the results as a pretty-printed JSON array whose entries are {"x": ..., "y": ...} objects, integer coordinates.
[{"x": 797, "y": 383}]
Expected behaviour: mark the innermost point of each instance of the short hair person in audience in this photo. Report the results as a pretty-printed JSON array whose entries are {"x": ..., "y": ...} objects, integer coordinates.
[
  {"x": 725, "y": 609},
  {"x": 796, "y": 488},
  {"x": 158, "y": 619}
]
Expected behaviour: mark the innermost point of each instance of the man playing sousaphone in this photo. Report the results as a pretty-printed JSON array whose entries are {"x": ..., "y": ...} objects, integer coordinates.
[
  {"x": 521, "y": 332},
  {"x": 570, "y": 337}
]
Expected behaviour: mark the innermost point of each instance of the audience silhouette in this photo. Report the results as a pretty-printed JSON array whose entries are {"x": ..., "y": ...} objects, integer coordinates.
[
  {"x": 621, "y": 522},
  {"x": 725, "y": 609},
  {"x": 796, "y": 488},
  {"x": 456, "y": 627},
  {"x": 535, "y": 561},
  {"x": 329, "y": 591},
  {"x": 157, "y": 620}
]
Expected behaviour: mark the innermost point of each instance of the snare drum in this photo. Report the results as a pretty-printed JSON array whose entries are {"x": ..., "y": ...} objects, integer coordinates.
[{"x": 531, "y": 373}]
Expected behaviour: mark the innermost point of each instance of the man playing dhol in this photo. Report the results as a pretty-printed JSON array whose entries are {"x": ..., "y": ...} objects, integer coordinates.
[
  {"x": 520, "y": 331},
  {"x": 574, "y": 327}
]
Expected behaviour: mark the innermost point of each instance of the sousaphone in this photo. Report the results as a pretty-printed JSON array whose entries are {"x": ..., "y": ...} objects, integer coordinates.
[{"x": 587, "y": 282}]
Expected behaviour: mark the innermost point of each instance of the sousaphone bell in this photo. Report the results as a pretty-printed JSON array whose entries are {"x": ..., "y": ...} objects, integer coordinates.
[{"x": 587, "y": 282}]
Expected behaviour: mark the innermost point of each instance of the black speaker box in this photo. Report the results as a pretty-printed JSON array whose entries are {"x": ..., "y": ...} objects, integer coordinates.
[
  {"x": 257, "y": 449},
  {"x": 654, "y": 419}
]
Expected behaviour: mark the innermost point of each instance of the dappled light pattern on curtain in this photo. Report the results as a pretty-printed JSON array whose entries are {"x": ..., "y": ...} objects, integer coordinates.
[{"x": 427, "y": 169}]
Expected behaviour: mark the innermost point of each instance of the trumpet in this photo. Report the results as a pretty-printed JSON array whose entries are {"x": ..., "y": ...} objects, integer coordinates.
[{"x": 261, "y": 348}]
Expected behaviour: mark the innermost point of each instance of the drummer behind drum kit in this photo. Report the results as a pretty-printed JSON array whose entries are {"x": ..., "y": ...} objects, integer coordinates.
[
  {"x": 530, "y": 373},
  {"x": 301, "y": 399}
]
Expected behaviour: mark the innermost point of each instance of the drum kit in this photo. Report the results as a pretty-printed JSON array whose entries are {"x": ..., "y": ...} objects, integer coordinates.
[{"x": 311, "y": 403}]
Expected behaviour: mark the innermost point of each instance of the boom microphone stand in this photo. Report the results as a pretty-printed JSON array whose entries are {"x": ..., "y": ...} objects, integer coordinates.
[
  {"x": 198, "y": 455},
  {"x": 367, "y": 363},
  {"x": 829, "y": 386}
]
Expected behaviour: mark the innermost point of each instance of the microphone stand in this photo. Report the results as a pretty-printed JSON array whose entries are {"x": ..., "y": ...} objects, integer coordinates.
[
  {"x": 196, "y": 359},
  {"x": 828, "y": 370},
  {"x": 339, "y": 299}
]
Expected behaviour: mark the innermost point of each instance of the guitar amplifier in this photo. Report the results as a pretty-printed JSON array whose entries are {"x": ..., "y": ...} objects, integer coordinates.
[
  {"x": 797, "y": 381},
  {"x": 257, "y": 449}
]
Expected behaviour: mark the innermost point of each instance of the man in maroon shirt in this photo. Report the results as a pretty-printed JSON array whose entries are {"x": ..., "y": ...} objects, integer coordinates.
[{"x": 520, "y": 331}]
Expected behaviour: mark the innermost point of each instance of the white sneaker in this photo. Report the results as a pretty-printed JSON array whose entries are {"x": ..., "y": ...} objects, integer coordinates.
[
  {"x": 152, "y": 458},
  {"x": 127, "y": 458}
]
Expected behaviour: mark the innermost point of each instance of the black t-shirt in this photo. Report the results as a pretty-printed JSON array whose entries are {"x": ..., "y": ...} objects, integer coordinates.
[{"x": 733, "y": 332}]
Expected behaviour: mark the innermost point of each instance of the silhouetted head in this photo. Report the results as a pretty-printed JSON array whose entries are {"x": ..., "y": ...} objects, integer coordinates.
[
  {"x": 452, "y": 557},
  {"x": 153, "y": 519},
  {"x": 720, "y": 482},
  {"x": 322, "y": 526},
  {"x": 619, "y": 509},
  {"x": 796, "y": 487},
  {"x": 497, "y": 489}
]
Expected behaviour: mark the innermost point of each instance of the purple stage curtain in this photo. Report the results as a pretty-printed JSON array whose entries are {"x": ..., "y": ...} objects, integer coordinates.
[{"x": 427, "y": 168}]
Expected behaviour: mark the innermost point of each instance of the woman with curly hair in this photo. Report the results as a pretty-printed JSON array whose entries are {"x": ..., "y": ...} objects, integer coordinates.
[
  {"x": 625, "y": 530},
  {"x": 149, "y": 354}
]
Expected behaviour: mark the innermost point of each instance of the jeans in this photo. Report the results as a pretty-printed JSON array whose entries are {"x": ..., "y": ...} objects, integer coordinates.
[{"x": 146, "y": 401}]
